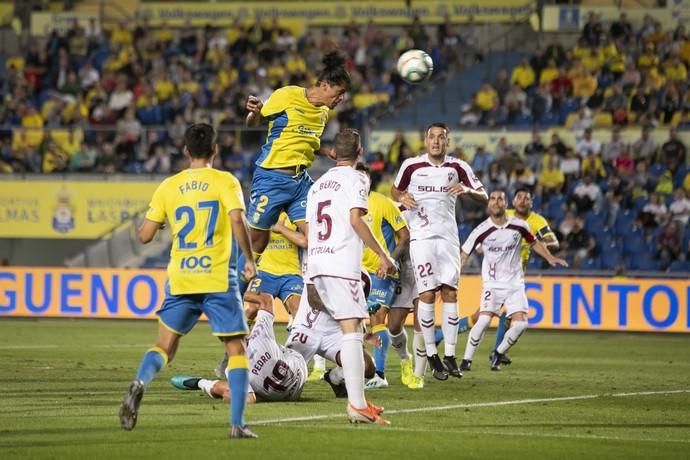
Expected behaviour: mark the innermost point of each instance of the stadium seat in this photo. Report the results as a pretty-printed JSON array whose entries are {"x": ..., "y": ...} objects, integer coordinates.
[
  {"x": 634, "y": 242},
  {"x": 612, "y": 256},
  {"x": 524, "y": 120},
  {"x": 464, "y": 231},
  {"x": 656, "y": 170},
  {"x": 679, "y": 177},
  {"x": 624, "y": 221},
  {"x": 591, "y": 263},
  {"x": 595, "y": 219},
  {"x": 535, "y": 263},
  {"x": 679, "y": 266},
  {"x": 603, "y": 120},
  {"x": 639, "y": 203},
  {"x": 549, "y": 119},
  {"x": 643, "y": 262}
]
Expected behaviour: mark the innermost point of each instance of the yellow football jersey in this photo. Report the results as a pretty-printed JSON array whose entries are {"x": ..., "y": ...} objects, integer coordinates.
[
  {"x": 196, "y": 204},
  {"x": 294, "y": 129},
  {"x": 385, "y": 219},
  {"x": 282, "y": 256},
  {"x": 538, "y": 226}
]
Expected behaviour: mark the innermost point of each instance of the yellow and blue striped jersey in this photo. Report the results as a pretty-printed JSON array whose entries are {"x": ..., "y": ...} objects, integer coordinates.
[
  {"x": 281, "y": 256},
  {"x": 294, "y": 129},
  {"x": 539, "y": 228},
  {"x": 196, "y": 204},
  {"x": 385, "y": 219}
]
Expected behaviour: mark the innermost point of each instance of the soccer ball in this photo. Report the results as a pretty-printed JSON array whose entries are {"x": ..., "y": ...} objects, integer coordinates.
[{"x": 415, "y": 66}]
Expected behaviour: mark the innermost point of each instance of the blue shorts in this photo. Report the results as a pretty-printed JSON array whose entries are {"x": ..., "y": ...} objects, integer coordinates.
[
  {"x": 279, "y": 286},
  {"x": 382, "y": 292},
  {"x": 273, "y": 192},
  {"x": 224, "y": 311}
]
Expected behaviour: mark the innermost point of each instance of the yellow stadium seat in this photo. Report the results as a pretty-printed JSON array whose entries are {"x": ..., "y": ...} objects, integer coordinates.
[
  {"x": 603, "y": 120},
  {"x": 572, "y": 118}
]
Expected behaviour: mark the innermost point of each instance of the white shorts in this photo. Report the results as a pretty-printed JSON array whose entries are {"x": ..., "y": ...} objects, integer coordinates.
[
  {"x": 513, "y": 299},
  {"x": 406, "y": 291},
  {"x": 314, "y": 332},
  {"x": 435, "y": 262},
  {"x": 343, "y": 298}
]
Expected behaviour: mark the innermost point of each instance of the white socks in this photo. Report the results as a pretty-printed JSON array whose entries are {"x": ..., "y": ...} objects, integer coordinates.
[
  {"x": 419, "y": 354},
  {"x": 399, "y": 344},
  {"x": 476, "y": 334},
  {"x": 425, "y": 315},
  {"x": 206, "y": 385},
  {"x": 449, "y": 326},
  {"x": 336, "y": 376},
  {"x": 353, "y": 368},
  {"x": 319, "y": 362},
  {"x": 512, "y": 336}
]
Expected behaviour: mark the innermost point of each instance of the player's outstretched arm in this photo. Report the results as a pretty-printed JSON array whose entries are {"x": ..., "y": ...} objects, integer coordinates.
[
  {"x": 241, "y": 231},
  {"x": 295, "y": 237},
  {"x": 551, "y": 243},
  {"x": 540, "y": 249},
  {"x": 254, "y": 106},
  {"x": 478, "y": 195},
  {"x": 147, "y": 230},
  {"x": 387, "y": 265}
]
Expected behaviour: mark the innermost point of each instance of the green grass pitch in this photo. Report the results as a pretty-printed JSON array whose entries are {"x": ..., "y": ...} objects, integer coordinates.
[{"x": 621, "y": 396}]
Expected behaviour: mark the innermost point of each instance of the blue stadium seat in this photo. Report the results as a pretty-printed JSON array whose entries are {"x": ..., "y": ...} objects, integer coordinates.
[
  {"x": 591, "y": 263},
  {"x": 624, "y": 221},
  {"x": 612, "y": 256},
  {"x": 550, "y": 119},
  {"x": 686, "y": 240},
  {"x": 567, "y": 107},
  {"x": 523, "y": 120},
  {"x": 639, "y": 203},
  {"x": 595, "y": 219},
  {"x": 535, "y": 263},
  {"x": 680, "y": 176},
  {"x": 643, "y": 262},
  {"x": 679, "y": 266},
  {"x": 464, "y": 231},
  {"x": 656, "y": 170},
  {"x": 633, "y": 241}
]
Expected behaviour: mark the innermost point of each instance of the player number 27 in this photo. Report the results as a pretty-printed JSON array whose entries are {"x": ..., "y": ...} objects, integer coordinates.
[
  {"x": 323, "y": 218},
  {"x": 188, "y": 214}
]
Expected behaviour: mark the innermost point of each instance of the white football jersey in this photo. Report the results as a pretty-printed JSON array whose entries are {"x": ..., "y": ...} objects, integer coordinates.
[
  {"x": 276, "y": 373},
  {"x": 334, "y": 249},
  {"x": 502, "y": 264},
  {"x": 434, "y": 216}
]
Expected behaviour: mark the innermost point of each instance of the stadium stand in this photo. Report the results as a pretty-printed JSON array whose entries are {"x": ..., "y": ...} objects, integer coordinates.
[{"x": 116, "y": 99}]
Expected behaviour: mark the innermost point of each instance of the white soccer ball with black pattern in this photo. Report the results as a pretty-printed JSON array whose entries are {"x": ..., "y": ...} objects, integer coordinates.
[{"x": 415, "y": 66}]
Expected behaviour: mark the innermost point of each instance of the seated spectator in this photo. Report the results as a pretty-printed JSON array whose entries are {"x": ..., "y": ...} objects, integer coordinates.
[
  {"x": 485, "y": 97},
  {"x": 645, "y": 148},
  {"x": 561, "y": 87},
  {"x": 669, "y": 244},
  {"x": 541, "y": 103},
  {"x": 516, "y": 102},
  {"x": 631, "y": 78},
  {"x": 616, "y": 103},
  {"x": 497, "y": 115},
  {"x": 588, "y": 144},
  {"x": 593, "y": 165},
  {"x": 159, "y": 162},
  {"x": 558, "y": 144},
  {"x": 673, "y": 152},
  {"x": 579, "y": 242},
  {"x": 587, "y": 193},
  {"x": 624, "y": 164},
  {"x": 570, "y": 165},
  {"x": 523, "y": 75},
  {"x": 654, "y": 212},
  {"x": 551, "y": 178},
  {"x": 482, "y": 159},
  {"x": 395, "y": 149},
  {"x": 675, "y": 70},
  {"x": 54, "y": 159},
  {"x": 680, "y": 208},
  {"x": 583, "y": 119},
  {"x": 502, "y": 84},
  {"x": 567, "y": 224},
  {"x": 584, "y": 85},
  {"x": 494, "y": 178},
  {"x": 521, "y": 176},
  {"x": 534, "y": 151},
  {"x": 121, "y": 97},
  {"x": 549, "y": 73},
  {"x": 613, "y": 148},
  {"x": 84, "y": 159}
]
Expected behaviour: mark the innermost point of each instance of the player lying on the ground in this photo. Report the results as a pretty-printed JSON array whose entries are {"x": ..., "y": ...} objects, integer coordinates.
[
  {"x": 503, "y": 279},
  {"x": 276, "y": 372}
]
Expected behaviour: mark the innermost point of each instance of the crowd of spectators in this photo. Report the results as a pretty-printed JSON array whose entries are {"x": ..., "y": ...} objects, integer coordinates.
[
  {"x": 615, "y": 75},
  {"x": 117, "y": 100}
]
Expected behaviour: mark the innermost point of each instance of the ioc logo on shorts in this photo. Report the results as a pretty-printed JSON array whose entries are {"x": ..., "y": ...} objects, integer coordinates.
[{"x": 192, "y": 262}]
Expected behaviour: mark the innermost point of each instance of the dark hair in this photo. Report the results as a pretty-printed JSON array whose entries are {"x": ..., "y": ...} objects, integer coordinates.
[
  {"x": 437, "y": 124},
  {"x": 497, "y": 190},
  {"x": 199, "y": 140},
  {"x": 522, "y": 189},
  {"x": 346, "y": 144},
  {"x": 362, "y": 167},
  {"x": 334, "y": 72}
]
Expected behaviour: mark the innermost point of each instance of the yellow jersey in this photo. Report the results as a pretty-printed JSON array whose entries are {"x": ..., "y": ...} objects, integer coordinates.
[
  {"x": 538, "y": 226},
  {"x": 282, "y": 256},
  {"x": 294, "y": 129},
  {"x": 196, "y": 204},
  {"x": 385, "y": 219}
]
